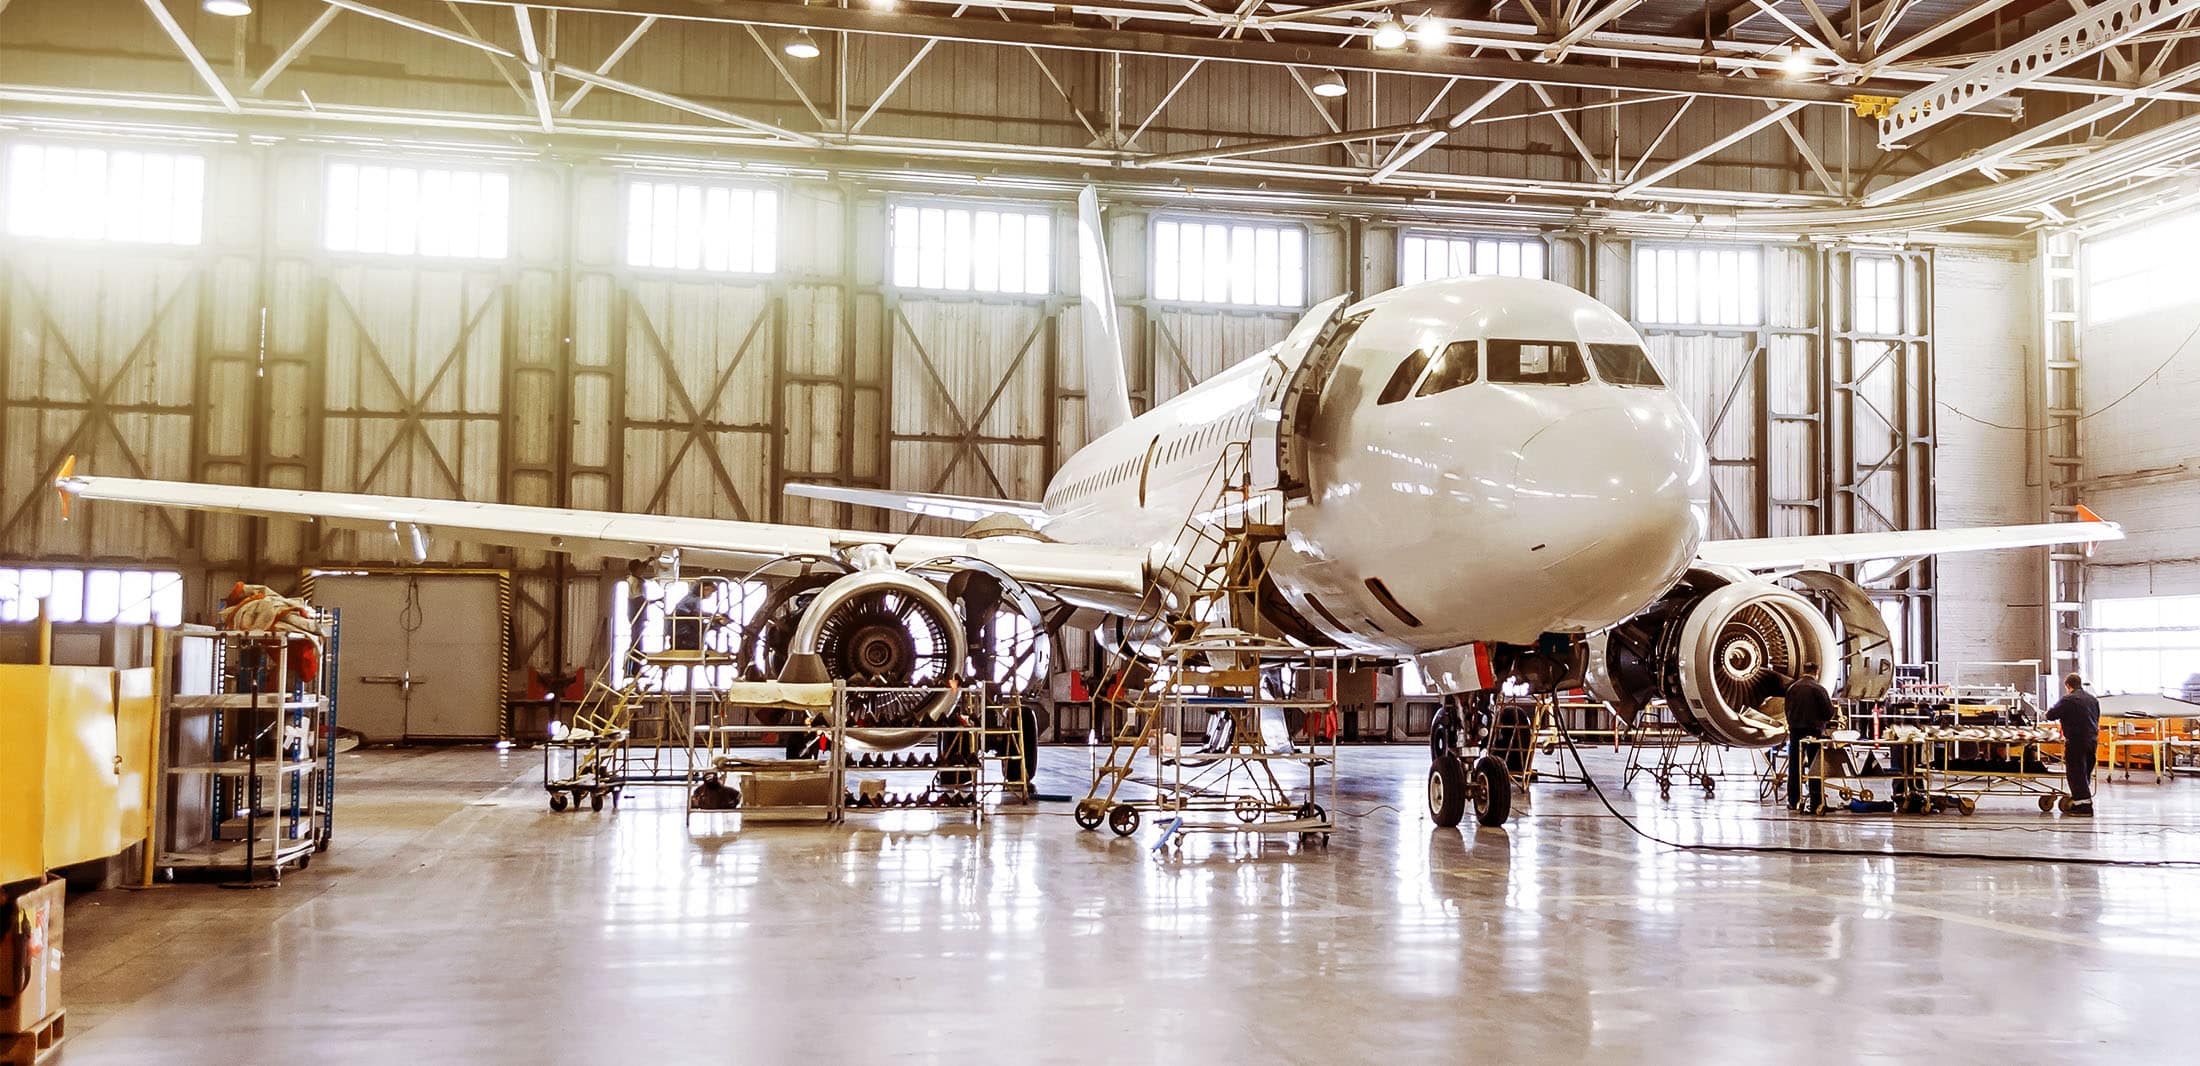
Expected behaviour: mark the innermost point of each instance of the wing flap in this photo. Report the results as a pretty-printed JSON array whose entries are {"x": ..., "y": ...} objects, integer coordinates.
[
  {"x": 930, "y": 504},
  {"x": 1772, "y": 553}
]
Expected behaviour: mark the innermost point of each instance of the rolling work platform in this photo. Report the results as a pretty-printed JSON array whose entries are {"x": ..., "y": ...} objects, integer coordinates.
[{"x": 1247, "y": 776}]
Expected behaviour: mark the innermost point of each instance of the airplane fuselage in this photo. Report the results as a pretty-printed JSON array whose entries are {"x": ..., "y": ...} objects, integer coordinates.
[{"x": 1490, "y": 460}]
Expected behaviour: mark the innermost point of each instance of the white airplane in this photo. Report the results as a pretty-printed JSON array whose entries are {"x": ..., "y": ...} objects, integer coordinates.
[{"x": 1483, "y": 475}]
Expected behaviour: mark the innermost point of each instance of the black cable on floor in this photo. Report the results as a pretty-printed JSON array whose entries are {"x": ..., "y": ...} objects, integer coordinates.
[{"x": 1869, "y": 853}]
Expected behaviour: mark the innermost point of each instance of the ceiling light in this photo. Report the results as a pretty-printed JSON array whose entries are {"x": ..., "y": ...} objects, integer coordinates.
[
  {"x": 1795, "y": 62},
  {"x": 231, "y": 8},
  {"x": 882, "y": 5},
  {"x": 1431, "y": 32},
  {"x": 1390, "y": 33},
  {"x": 1330, "y": 83},
  {"x": 801, "y": 46}
]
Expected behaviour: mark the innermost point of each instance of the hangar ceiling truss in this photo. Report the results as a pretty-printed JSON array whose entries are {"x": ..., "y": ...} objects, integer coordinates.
[{"x": 1623, "y": 95}]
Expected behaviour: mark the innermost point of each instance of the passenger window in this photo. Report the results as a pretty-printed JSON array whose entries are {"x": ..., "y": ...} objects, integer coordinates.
[
  {"x": 1625, "y": 364},
  {"x": 1401, "y": 382},
  {"x": 1456, "y": 367},
  {"x": 1537, "y": 363}
]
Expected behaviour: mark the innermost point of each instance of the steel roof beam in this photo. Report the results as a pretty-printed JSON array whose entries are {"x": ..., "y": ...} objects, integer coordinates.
[
  {"x": 1185, "y": 46},
  {"x": 2084, "y": 34},
  {"x": 191, "y": 54}
]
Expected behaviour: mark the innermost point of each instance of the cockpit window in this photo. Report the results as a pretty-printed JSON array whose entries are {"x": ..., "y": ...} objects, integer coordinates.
[
  {"x": 1536, "y": 363},
  {"x": 1625, "y": 364},
  {"x": 1401, "y": 383},
  {"x": 1455, "y": 367}
]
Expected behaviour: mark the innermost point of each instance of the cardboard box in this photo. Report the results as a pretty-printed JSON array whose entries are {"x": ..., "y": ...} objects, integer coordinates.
[
  {"x": 32, "y": 943},
  {"x": 787, "y": 789}
]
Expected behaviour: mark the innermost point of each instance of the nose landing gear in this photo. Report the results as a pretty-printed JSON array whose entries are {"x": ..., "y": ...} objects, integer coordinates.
[{"x": 1455, "y": 781}]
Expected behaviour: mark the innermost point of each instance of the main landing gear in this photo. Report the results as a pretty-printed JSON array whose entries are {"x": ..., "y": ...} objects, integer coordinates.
[{"x": 1456, "y": 781}]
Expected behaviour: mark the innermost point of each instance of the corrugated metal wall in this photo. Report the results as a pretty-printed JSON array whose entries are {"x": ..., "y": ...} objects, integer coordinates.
[
  {"x": 1986, "y": 337},
  {"x": 564, "y": 377},
  {"x": 2138, "y": 444}
]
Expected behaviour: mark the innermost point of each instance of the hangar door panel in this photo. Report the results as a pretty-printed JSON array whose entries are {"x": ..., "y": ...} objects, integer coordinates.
[
  {"x": 969, "y": 381},
  {"x": 422, "y": 655}
]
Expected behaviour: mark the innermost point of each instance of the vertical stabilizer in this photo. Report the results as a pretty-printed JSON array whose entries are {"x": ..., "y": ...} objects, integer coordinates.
[{"x": 1107, "y": 387}]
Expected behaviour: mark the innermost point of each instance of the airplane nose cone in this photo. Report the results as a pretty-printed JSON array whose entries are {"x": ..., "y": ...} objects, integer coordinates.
[{"x": 1606, "y": 506}]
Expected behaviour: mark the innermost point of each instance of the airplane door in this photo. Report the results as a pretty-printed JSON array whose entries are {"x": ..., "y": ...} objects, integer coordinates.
[
  {"x": 1285, "y": 363},
  {"x": 1301, "y": 402}
]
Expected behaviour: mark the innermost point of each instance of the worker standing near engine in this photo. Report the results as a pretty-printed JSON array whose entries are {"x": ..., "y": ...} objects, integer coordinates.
[
  {"x": 1809, "y": 715},
  {"x": 2080, "y": 716}
]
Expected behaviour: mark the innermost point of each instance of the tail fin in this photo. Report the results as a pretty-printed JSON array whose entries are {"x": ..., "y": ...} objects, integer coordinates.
[{"x": 1107, "y": 386}]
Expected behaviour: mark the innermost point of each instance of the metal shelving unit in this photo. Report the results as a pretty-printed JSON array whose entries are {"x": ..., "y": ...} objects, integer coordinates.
[{"x": 249, "y": 779}]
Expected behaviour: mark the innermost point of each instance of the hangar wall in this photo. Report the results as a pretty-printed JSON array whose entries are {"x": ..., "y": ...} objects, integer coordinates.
[
  {"x": 1988, "y": 334},
  {"x": 561, "y": 376},
  {"x": 2141, "y": 311}
]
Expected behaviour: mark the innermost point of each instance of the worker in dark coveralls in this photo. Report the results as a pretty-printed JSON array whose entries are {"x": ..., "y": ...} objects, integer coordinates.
[
  {"x": 2080, "y": 716},
  {"x": 1809, "y": 715}
]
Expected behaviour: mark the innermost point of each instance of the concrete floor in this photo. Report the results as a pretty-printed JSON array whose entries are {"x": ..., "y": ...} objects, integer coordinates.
[{"x": 457, "y": 920}]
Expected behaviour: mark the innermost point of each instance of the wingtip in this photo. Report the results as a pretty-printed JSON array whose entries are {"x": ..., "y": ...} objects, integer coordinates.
[
  {"x": 61, "y": 484},
  {"x": 2087, "y": 514}
]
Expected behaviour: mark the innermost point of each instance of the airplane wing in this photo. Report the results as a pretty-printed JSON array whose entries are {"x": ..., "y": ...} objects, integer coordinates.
[
  {"x": 1106, "y": 574},
  {"x": 931, "y": 504},
  {"x": 1773, "y": 553}
]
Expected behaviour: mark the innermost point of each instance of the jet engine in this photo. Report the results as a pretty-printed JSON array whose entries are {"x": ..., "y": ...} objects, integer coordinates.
[
  {"x": 1719, "y": 648},
  {"x": 881, "y": 627}
]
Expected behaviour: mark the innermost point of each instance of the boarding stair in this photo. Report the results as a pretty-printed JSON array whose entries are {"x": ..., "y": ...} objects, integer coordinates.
[{"x": 1211, "y": 653}]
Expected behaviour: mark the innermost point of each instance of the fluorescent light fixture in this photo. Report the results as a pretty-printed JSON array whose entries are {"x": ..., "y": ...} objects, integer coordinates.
[
  {"x": 1796, "y": 62},
  {"x": 801, "y": 46},
  {"x": 231, "y": 8},
  {"x": 1431, "y": 32},
  {"x": 1390, "y": 33},
  {"x": 1330, "y": 83},
  {"x": 882, "y": 5}
]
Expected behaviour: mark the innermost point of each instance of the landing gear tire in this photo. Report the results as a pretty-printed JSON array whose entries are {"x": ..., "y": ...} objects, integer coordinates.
[
  {"x": 595, "y": 801},
  {"x": 1089, "y": 815},
  {"x": 1492, "y": 791},
  {"x": 1447, "y": 790},
  {"x": 1123, "y": 820},
  {"x": 557, "y": 801}
]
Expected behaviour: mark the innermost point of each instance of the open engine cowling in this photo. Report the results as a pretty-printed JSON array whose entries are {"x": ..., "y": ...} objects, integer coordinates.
[
  {"x": 1719, "y": 650},
  {"x": 884, "y": 628}
]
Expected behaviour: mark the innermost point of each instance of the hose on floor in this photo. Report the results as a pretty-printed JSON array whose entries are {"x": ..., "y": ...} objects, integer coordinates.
[{"x": 1869, "y": 853}]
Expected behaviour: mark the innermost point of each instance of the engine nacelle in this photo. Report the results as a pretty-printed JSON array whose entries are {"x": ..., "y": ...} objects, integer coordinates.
[
  {"x": 1719, "y": 649},
  {"x": 881, "y": 627}
]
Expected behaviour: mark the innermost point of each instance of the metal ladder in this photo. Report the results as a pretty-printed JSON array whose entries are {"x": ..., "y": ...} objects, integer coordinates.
[{"x": 1220, "y": 541}]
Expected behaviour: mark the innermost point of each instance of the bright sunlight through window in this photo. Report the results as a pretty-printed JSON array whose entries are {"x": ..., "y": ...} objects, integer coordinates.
[
  {"x": 1229, "y": 263},
  {"x": 101, "y": 195},
  {"x": 727, "y": 229},
  {"x": 1686, "y": 286},
  {"x": 966, "y": 249},
  {"x": 1422, "y": 257},
  {"x": 426, "y": 211}
]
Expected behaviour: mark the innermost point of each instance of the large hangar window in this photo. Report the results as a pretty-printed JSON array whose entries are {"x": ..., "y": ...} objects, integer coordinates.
[
  {"x": 1684, "y": 285},
  {"x": 719, "y": 228},
  {"x": 1877, "y": 294},
  {"x": 439, "y": 212},
  {"x": 1236, "y": 263},
  {"x": 96, "y": 194},
  {"x": 1426, "y": 256},
  {"x": 94, "y": 597},
  {"x": 972, "y": 249},
  {"x": 2144, "y": 644}
]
